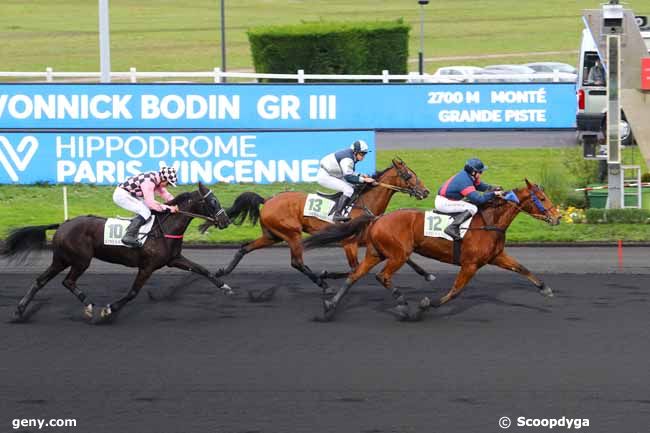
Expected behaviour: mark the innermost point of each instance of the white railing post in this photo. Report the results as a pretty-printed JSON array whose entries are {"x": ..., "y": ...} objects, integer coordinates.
[
  {"x": 133, "y": 77},
  {"x": 65, "y": 203},
  {"x": 301, "y": 75},
  {"x": 48, "y": 74},
  {"x": 556, "y": 75},
  {"x": 384, "y": 76},
  {"x": 217, "y": 75}
]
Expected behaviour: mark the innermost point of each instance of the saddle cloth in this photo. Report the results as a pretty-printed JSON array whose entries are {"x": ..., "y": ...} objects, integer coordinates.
[
  {"x": 319, "y": 207},
  {"x": 115, "y": 228},
  {"x": 436, "y": 222}
]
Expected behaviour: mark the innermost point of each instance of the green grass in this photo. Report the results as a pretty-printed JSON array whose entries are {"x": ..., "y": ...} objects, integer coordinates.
[
  {"x": 165, "y": 35},
  {"x": 34, "y": 205}
]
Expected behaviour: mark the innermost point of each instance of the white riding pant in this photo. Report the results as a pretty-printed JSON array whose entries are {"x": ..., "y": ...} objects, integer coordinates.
[
  {"x": 125, "y": 200},
  {"x": 331, "y": 182},
  {"x": 443, "y": 204}
]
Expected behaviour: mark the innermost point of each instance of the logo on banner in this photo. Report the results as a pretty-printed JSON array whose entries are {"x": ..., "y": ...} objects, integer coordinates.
[{"x": 20, "y": 155}]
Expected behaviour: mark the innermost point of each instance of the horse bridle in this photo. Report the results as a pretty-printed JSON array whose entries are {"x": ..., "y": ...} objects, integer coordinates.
[
  {"x": 207, "y": 218},
  {"x": 405, "y": 175},
  {"x": 538, "y": 204}
]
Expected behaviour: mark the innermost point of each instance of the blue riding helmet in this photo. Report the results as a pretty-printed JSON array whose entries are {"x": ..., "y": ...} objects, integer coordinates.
[
  {"x": 360, "y": 146},
  {"x": 475, "y": 164}
]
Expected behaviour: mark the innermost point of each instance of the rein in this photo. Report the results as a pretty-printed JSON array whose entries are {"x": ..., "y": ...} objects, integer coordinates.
[{"x": 394, "y": 188}]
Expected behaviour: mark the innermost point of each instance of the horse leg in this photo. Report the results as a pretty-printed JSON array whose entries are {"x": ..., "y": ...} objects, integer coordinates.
[
  {"x": 111, "y": 309},
  {"x": 182, "y": 262},
  {"x": 464, "y": 275},
  {"x": 53, "y": 270},
  {"x": 427, "y": 276},
  {"x": 351, "y": 254},
  {"x": 70, "y": 283},
  {"x": 329, "y": 306},
  {"x": 385, "y": 278},
  {"x": 261, "y": 242},
  {"x": 295, "y": 245},
  {"x": 505, "y": 261}
]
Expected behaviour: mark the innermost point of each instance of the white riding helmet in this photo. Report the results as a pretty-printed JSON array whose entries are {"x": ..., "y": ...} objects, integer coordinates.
[{"x": 360, "y": 146}]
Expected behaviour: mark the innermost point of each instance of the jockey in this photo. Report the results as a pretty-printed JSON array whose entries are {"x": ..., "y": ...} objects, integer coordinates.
[
  {"x": 137, "y": 194},
  {"x": 465, "y": 185},
  {"x": 337, "y": 172}
]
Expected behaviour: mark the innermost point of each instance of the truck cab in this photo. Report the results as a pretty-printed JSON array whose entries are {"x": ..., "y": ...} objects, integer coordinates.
[{"x": 592, "y": 96}]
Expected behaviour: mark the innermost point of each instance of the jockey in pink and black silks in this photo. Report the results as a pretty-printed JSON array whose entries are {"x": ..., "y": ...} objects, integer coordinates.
[
  {"x": 137, "y": 194},
  {"x": 463, "y": 192}
]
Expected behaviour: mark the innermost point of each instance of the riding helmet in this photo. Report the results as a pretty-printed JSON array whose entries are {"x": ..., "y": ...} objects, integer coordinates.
[
  {"x": 475, "y": 164},
  {"x": 360, "y": 146},
  {"x": 169, "y": 174}
]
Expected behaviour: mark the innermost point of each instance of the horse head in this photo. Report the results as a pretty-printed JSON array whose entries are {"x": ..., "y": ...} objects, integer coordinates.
[
  {"x": 404, "y": 178},
  {"x": 209, "y": 206},
  {"x": 534, "y": 201}
]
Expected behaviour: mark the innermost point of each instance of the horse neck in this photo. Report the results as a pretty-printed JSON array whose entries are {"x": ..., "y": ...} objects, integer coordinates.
[
  {"x": 502, "y": 216},
  {"x": 376, "y": 199},
  {"x": 177, "y": 223}
]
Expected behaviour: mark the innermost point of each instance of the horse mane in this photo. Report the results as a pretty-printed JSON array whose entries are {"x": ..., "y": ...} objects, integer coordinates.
[
  {"x": 180, "y": 198},
  {"x": 379, "y": 174}
]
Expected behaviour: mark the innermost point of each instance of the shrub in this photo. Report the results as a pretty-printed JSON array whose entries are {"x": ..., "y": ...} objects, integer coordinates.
[
  {"x": 576, "y": 199},
  {"x": 553, "y": 178},
  {"x": 645, "y": 177},
  {"x": 331, "y": 48},
  {"x": 613, "y": 216}
]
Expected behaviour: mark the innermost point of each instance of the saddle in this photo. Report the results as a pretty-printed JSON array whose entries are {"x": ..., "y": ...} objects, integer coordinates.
[{"x": 334, "y": 196}]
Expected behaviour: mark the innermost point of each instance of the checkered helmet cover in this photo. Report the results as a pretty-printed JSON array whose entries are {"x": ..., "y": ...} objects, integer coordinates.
[{"x": 168, "y": 174}]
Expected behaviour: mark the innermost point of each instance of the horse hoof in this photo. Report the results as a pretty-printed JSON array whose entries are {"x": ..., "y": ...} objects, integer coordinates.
[
  {"x": 89, "y": 311},
  {"x": 323, "y": 284},
  {"x": 402, "y": 313},
  {"x": 425, "y": 303},
  {"x": 17, "y": 316},
  {"x": 547, "y": 291},
  {"x": 227, "y": 290},
  {"x": 106, "y": 312},
  {"x": 329, "y": 308},
  {"x": 329, "y": 292},
  {"x": 323, "y": 275},
  {"x": 430, "y": 277},
  {"x": 220, "y": 273}
]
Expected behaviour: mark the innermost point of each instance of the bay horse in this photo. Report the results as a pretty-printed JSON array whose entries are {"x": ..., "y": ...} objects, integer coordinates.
[
  {"x": 78, "y": 240},
  {"x": 282, "y": 219},
  {"x": 396, "y": 235}
]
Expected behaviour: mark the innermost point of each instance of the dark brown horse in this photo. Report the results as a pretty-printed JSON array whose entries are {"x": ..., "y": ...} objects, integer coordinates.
[
  {"x": 78, "y": 240},
  {"x": 282, "y": 218},
  {"x": 395, "y": 236}
]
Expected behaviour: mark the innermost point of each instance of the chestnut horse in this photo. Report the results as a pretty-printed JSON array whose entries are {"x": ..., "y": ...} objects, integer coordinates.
[
  {"x": 77, "y": 241},
  {"x": 282, "y": 218},
  {"x": 395, "y": 236}
]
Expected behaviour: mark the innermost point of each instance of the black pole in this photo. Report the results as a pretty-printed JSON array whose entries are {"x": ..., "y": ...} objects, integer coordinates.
[{"x": 421, "y": 62}]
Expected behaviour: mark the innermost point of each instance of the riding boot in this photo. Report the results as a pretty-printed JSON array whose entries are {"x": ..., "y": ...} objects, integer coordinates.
[
  {"x": 130, "y": 238},
  {"x": 453, "y": 229},
  {"x": 340, "y": 207}
]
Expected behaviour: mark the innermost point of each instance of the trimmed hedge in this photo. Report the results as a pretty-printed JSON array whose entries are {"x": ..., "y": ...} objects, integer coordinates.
[
  {"x": 331, "y": 48},
  {"x": 613, "y": 216}
]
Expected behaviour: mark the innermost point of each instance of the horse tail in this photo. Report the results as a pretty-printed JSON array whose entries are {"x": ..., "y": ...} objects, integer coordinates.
[
  {"x": 246, "y": 205},
  {"x": 24, "y": 240},
  {"x": 338, "y": 232}
]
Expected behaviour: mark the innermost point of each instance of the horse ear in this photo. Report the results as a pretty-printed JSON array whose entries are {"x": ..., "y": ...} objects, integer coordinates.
[
  {"x": 398, "y": 162},
  {"x": 528, "y": 184},
  {"x": 201, "y": 186}
]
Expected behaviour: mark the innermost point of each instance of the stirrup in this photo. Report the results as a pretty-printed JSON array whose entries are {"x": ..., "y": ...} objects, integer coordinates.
[
  {"x": 135, "y": 243},
  {"x": 454, "y": 234}
]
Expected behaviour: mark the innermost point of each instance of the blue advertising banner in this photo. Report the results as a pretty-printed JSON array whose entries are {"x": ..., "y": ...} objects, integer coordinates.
[
  {"x": 106, "y": 159},
  {"x": 290, "y": 106}
]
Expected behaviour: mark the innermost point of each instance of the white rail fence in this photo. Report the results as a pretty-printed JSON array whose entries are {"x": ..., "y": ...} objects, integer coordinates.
[{"x": 219, "y": 76}]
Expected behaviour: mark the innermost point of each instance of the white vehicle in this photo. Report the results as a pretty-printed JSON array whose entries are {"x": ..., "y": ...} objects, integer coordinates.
[
  {"x": 565, "y": 73},
  {"x": 592, "y": 96},
  {"x": 457, "y": 74},
  {"x": 509, "y": 73}
]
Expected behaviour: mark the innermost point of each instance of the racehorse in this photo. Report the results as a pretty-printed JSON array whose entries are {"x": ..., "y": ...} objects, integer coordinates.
[
  {"x": 282, "y": 218},
  {"x": 395, "y": 236},
  {"x": 78, "y": 240}
]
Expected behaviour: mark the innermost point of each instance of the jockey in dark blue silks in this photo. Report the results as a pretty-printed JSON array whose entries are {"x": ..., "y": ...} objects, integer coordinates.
[{"x": 462, "y": 193}]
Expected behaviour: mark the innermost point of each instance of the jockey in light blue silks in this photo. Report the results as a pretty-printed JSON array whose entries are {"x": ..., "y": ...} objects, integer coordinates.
[
  {"x": 462, "y": 193},
  {"x": 337, "y": 172}
]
